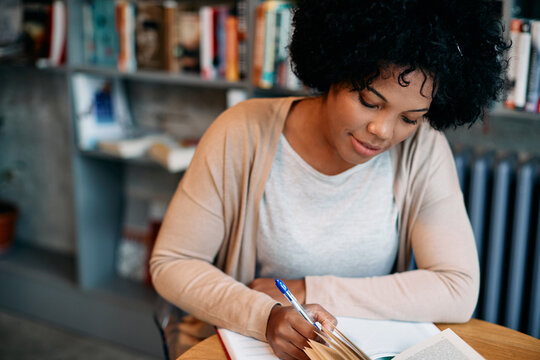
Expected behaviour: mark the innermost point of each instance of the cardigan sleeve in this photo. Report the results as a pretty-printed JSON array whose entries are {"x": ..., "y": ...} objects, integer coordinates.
[
  {"x": 445, "y": 286},
  {"x": 191, "y": 235}
]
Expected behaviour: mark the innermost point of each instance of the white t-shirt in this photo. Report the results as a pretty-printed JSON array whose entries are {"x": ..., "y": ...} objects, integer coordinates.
[{"x": 316, "y": 224}]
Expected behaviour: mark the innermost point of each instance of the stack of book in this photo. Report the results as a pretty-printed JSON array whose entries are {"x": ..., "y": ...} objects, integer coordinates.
[
  {"x": 271, "y": 62},
  {"x": 166, "y": 35},
  {"x": 45, "y": 32},
  {"x": 524, "y": 66}
]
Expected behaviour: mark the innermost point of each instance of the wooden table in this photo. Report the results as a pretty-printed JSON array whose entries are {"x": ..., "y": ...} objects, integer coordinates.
[{"x": 494, "y": 342}]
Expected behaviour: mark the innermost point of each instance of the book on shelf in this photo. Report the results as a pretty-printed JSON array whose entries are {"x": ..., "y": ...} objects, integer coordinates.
[
  {"x": 533, "y": 87},
  {"x": 173, "y": 155},
  {"x": 45, "y": 31},
  {"x": 131, "y": 147},
  {"x": 105, "y": 34},
  {"x": 101, "y": 110},
  {"x": 149, "y": 35},
  {"x": 524, "y": 66},
  {"x": 170, "y": 35},
  {"x": 189, "y": 38},
  {"x": 35, "y": 29},
  {"x": 271, "y": 62},
  {"x": 208, "y": 47},
  {"x": 57, "y": 34},
  {"x": 125, "y": 28},
  {"x": 364, "y": 339}
]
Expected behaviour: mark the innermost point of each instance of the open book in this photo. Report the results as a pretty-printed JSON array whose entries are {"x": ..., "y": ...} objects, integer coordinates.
[{"x": 366, "y": 339}]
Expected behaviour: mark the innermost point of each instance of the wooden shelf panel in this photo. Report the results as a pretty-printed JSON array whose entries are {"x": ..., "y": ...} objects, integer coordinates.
[{"x": 161, "y": 77}]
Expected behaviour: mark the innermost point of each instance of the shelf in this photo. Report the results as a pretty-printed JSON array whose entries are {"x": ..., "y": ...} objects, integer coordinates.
[
  {"x": 142, "y": 160},
  {"x": 40, "y": 265},
  {"x": 162, "y": 77},
  {"x": 501, "y": 111}
]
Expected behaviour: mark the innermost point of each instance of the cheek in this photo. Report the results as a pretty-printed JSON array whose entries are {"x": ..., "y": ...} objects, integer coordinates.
[{"x": 403, "y": 131}]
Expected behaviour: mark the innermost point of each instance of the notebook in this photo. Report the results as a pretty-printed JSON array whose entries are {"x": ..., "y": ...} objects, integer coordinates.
[{"x": 377, "y": 338}]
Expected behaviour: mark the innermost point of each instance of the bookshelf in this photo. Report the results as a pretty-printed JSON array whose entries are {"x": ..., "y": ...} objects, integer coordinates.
[{"x": 82, "y": 291}]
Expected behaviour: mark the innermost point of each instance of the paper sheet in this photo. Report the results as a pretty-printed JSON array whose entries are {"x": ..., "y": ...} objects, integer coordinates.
[{"x": 375, "y": 337}]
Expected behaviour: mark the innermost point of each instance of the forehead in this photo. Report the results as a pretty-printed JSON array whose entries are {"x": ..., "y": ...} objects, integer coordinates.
[{"x": 403, "y": 80}]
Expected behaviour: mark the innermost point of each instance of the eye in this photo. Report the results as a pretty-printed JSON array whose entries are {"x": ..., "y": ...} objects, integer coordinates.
[
  {"x": 409, "y": 121},
  {"x": 363, "y": 102}
]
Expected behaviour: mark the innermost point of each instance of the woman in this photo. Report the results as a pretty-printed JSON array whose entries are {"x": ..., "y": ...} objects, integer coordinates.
[{"x": 333, "y": 193}]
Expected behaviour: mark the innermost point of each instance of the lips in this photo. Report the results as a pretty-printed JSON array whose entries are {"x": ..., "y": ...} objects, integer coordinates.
[{"x": 363, "y": 148}]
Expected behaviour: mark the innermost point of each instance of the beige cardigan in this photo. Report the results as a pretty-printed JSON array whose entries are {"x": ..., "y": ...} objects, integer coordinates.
[{"x": 205, "y": 251}]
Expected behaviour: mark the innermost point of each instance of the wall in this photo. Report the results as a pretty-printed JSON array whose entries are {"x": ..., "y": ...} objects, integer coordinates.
[{"x": 35, "y": 147}]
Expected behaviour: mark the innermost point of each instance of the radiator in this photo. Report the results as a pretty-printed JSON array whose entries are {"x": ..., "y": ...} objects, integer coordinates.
[{"x": 501, "y": 193}]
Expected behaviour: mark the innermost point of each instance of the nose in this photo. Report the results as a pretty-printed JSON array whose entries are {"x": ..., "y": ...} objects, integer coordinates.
[{"x": 382, "y": 126}]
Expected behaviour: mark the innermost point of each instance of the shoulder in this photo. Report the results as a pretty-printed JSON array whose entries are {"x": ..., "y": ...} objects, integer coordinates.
[
  {"x": 425, "y": 146},
  {"x": 248, "y": 115}
]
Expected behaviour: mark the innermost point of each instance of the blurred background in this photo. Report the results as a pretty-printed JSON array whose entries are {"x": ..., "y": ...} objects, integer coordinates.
[{"x": 101, "y": 105}]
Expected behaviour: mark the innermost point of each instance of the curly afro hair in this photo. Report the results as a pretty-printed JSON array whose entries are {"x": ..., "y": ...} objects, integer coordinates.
[{"x": 457, "y": 42}]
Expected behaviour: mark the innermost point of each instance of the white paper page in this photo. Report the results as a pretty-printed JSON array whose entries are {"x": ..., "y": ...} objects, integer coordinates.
[
  {"x": 444, "y": 346},
  {"x": 375, "y": 337},
  {"x": 240, "y": 347},
  {"x": 379, "y": 338}
]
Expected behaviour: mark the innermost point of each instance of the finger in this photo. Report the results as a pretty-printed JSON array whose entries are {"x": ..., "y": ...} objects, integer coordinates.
[
  {"x": 319, "y": 314},
  {"x": 287, "y": 349},
  {"x": 296, "y": 353}
]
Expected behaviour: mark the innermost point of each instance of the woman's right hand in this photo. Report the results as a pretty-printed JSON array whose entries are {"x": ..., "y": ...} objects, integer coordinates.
[{"x": 288, "y": 332}]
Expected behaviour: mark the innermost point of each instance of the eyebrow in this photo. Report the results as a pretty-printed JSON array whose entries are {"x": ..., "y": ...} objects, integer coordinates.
[{"x": 383, "y": 98}]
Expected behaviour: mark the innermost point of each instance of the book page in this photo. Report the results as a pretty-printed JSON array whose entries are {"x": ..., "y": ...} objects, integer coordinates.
[
  {"x": 380, "y": 338},
  {"x": 240, "y": 347},
  {"x": 444, "y": 346},
  {"x": 377, "y": 338}
]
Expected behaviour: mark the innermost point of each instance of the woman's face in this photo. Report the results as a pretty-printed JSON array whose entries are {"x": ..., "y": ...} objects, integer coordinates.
[{"x": 362, "y": 124}]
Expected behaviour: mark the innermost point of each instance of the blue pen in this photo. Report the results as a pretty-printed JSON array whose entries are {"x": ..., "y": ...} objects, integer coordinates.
[{"x": 285, "y": 291}]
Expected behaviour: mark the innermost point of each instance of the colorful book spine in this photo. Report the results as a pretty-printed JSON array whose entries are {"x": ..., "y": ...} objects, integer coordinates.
[
  {"x": 89, "y": 45},
  {"x": 170, "y": 37},
  {"x": 58, "y": 33},
  {"x": 125, "y": 27},
  {"x": 232, "y": 69},
  {"x": 533, "y": 92},
  {"x": 269, "y": 49},
  {"x": 207, "y": 48},
  {"x": 515, "y": 30},
  {"x": 522, "y": 69},
  {"x": 242, "y": 13},
  {"x": 105, "y": 33}
]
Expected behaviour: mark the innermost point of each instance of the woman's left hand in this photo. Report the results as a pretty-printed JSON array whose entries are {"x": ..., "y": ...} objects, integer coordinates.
[{"x": 268, "y": 286}]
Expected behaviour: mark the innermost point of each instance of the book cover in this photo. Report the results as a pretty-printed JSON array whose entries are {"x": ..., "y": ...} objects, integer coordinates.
[
  {"x": 106, "y": 38},
  {"x": 232, "y": 71},
  {"x": 222, "y": 12},
  {"x": 207, "y": 47},
  {"x": 533, "y": 87},
  {"x": 150, "y": 53},
  {"x": 522, "y": 66},
  {"x": 269, "y": 49},
  {"x": 170, "y": 9},
  {"x": 515, "y": 30},
  {"x": 101, "y": 110},
  {"x": 57, "y": 51},
  {"x": 35, "y": 29},
  {"x": 89, "y": 45},
  {"x": 258, "y": 43},
  {"x": 125, "y": 28},
  {"x": 241, "y": 13},
  {"x": 189, "y": 39}
]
